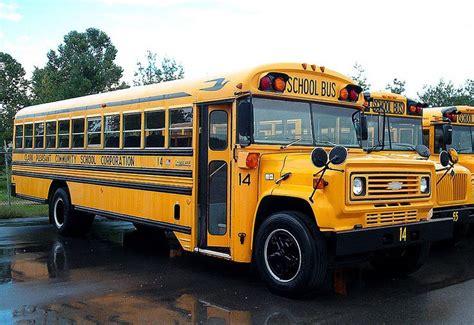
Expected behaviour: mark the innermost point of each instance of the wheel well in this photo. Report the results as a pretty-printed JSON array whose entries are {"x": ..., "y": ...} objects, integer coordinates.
[
  {"x": 272, "y": 204},
  {"x": 54, "y": 186}
]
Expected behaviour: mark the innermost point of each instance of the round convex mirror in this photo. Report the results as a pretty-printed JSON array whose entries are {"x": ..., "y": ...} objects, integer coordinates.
[
  {"x": 319, "y": 157},
  {"x": 338, "y": 155},
  {"x": 444, "y": 158}
]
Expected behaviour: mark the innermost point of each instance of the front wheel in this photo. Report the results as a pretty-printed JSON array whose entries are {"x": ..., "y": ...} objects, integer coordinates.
[
  {"x": 401, "y": 261},
  {"x": 291, "y": 255}
]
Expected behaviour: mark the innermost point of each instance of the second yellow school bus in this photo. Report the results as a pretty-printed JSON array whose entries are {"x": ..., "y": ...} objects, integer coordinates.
[
  {"x": 448, "y": 128},
  {"x": 229, "y": 166},
  {"x": 402, "y": 120}
]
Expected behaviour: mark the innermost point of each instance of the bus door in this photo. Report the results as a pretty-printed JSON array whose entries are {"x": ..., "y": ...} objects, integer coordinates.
[{"x": 214, "y": 176}]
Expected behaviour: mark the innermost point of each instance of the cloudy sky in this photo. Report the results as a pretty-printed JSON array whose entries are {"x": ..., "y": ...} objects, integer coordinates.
[{"x": 415, "y": 40}]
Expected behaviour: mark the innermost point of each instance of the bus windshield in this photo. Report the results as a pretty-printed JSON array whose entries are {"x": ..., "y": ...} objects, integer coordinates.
[
  {"x": 283, "y": 121},
  {"x": 462, "y": 139},
  {"x": 405, "y": 132}
]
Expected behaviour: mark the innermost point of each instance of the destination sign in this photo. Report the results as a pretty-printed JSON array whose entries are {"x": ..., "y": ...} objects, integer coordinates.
[{"x": 387, "y": 106}]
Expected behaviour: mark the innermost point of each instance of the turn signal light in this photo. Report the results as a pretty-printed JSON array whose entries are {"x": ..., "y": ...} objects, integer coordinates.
[
  {"x": 319, "y": 186},
  {"x": 252, "y": 160}
]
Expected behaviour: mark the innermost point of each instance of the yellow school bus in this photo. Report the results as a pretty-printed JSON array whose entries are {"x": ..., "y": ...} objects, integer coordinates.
[
  {"x": 262, "y": 165},
  {"x": 447, "y": 128},
  {"x": 404, "y": 118}
]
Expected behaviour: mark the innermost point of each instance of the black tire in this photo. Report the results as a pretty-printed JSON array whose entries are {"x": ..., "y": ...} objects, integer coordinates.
[
  {"x": 65, "y": 219},
  {"x": 401, "y": 261},
  {"x": 305, "y": 264}
]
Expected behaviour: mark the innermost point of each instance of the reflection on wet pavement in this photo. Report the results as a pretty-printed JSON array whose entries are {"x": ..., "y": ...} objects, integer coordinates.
[{"x": 117, "y": 275}]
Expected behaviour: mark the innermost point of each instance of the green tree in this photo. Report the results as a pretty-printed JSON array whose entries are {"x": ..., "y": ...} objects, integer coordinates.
[
  {"x": 152, "y": 72},
  {"x": 13, "y": 94},
  {"x": 359, "y": 76},
  {"x": 446, "y": 94},
  {"x": 396, "y": 86},
  {"x": 82, "y": 65}
]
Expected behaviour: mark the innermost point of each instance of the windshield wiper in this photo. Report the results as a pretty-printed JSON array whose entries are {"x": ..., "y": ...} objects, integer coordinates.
[
  {"x": 406, "y": 145},
  {"x": 291, "y": 143},
  {"x": 325, "y": 142},
  {"x": 464, "y": 149}
]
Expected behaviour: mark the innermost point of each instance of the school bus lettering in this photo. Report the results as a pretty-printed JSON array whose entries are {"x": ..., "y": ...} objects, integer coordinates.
[
  {"x": 465, "y": 118},
  {"x": 388, "y": 106},
  {"x": 311, "y": 87},
  {"x": 67, "y": 159},
  {"x": 88, "y": 160},
  {"x": 43, "y": 158},
  {"x": 244, "y": 179},
  {"x": 403, "y": 234},
  {"x": 455, "y": 216},
  {"x": 128, "y": 161},
  {"x": 28, "y": 157}
]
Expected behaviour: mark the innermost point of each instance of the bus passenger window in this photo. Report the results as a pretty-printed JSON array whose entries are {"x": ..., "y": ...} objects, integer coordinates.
[
  {"x": 155, "y": 129},
  {"x": 51, "y": 134},
  {"x": 218, "y": 130},
  {"x": 181, "y": 127},
  {"x": 28, "y": 135},
  {"x": 78, "y": 133},
  {"x": 39, "y": 135},
  {"x": 132, "y": 125},
  {"x": 112, "y": 131},
  {"x": 94, "y": 129},
  {"x": 63, "y": 134},
  {"x": 19, "y": 136}
]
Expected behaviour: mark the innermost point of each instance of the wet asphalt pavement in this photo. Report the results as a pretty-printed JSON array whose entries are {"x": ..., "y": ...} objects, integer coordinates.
[{"x": 119, "y": 276}]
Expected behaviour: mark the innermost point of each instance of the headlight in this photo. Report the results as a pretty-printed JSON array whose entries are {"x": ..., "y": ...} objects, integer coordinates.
[
  {"x": 358, "y": 186},
  {"x": 425, "y": 185}
]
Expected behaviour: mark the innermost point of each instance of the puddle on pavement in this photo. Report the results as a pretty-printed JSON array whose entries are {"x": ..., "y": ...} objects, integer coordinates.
[{"x": 117, "y": 275}]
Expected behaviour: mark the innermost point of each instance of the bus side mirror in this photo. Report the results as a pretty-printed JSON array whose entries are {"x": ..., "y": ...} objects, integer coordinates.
[
  {"x": 244, "y": 120},
  {"x": 364, "y": 130},
  {"x": 447, "y": 134}
]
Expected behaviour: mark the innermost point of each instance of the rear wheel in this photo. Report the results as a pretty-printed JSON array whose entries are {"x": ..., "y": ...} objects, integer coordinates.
[
  {"x": 291, "y": 255},
  {"x": 65, "y": 219},
  {"x": 401, "y": 261}
]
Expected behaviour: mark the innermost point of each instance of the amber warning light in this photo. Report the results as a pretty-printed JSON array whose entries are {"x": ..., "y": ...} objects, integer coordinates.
[{"x": 275, "y": 82}]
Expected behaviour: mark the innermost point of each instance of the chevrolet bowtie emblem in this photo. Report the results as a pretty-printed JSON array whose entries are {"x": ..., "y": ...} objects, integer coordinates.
[{"x": 395, "y": 186}]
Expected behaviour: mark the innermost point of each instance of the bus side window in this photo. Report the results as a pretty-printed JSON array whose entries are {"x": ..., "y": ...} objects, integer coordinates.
[
  {"x": 181, "y": 127},
  {"x": 28, "y": 135},
  {"x": 51, "y": 134},
  {"x": 94, "y": 129},
  {"x": 39, "y": 135},
  {"x": 78, "y": 133},
  {"x": 63, "y": 134},
  {"x": 19, "y": 136},
  {"x": 155, "y": 129},
  {"x": 132, "y": 125},
  {"x": 112, "y": 131}
]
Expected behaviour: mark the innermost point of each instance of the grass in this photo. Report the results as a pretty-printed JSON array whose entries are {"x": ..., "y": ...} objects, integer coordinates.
[{"x": 19, "y": 208}]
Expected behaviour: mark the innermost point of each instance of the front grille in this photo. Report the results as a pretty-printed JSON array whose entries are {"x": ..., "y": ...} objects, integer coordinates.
[
  {"x": 451, "y": 188},
  {"x": 390, "y": 218},
  {"x": 391, "y": 187}
]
